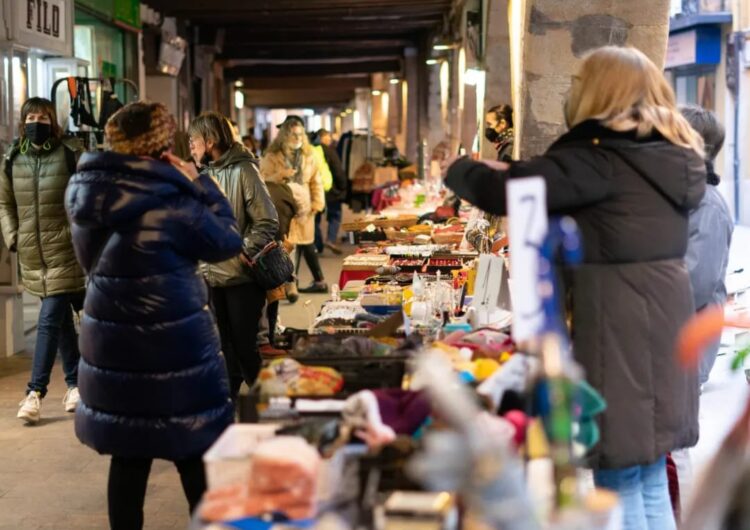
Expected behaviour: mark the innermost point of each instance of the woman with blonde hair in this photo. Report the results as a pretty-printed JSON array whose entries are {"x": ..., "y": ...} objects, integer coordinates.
[
  {"x": 628, "y": 171},
  {"x": 290, "y": 160}
]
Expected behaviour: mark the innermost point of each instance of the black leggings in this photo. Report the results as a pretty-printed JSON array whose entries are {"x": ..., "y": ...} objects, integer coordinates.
[
  {"x": 126, "y": 490},
  {"x": 272, "y": 314},
  {"x": 239, "y": 309},
  {"x": 311, "y": 258}
]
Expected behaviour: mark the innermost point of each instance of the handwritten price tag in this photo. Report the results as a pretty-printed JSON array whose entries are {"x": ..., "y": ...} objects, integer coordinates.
[{"x": 527, "y": 227}]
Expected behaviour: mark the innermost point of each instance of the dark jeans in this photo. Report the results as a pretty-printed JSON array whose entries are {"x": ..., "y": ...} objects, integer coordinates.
[
  {"x": 238, "y": 311},
  {"x": 55, "y": 331},
  {"x": 333, "y": 216},
  {"x": 126, "y": 490},
  {"x": 311, "y": 258}
]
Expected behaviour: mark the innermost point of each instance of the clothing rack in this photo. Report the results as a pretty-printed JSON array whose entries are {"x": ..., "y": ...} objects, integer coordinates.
[{"x": 128, "y": 83}]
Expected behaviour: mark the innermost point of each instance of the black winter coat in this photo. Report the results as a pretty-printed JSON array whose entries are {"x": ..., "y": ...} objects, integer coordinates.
[
  {"x": 152, "y": 378},
  {"x": 630, "y": 198},
  {"x": 337, "y": 193}
]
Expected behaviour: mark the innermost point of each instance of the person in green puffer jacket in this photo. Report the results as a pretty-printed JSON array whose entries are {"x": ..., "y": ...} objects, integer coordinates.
[
  {"x": 34, "y": 177},
  {"x": 237, "y": 299}
]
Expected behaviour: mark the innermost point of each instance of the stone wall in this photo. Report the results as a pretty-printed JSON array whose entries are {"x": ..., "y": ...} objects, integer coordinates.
[{"x": 558, "y": 33}]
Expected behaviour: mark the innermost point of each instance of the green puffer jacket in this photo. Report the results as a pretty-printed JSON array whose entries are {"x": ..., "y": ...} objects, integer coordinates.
[
  {"x": 33, "y": 219},
  {"x": 257, "y": 220}
]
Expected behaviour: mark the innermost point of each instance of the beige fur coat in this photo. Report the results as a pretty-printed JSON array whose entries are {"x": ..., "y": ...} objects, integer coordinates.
[{"x": 307, "y": 190}]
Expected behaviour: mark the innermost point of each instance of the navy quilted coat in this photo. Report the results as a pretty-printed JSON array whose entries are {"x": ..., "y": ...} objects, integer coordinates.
[{"x": 152, "y": 377}]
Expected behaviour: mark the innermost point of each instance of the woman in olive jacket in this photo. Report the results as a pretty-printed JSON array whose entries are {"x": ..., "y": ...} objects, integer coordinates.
[
  {"x": 629, "y": 171},
  {"x": 32, "y": 214},
  {"x": 237, "y": 299}
]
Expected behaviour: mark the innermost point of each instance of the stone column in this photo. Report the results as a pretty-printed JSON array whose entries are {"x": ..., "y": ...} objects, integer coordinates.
[
  {"x": 554, "y": 35},
  {"x": 497, "y": 89},
  {"x": 411, "y": 70}
]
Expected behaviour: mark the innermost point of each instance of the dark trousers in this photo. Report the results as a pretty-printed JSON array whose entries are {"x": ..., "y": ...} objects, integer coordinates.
[
  {"x": 126, "y": 490},
  {"x": 318, "y": 232},
  {"x": 238, "y": 311},
  {"x": 311, "y": 258},
  {"x": 272, "y": 313},
  {"x": 334, "y": 214},
  {"x": 55, "y": 331}
]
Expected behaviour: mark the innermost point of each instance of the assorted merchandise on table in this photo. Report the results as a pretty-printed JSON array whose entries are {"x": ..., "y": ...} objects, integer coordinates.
[{"x": 407, "y": 403}]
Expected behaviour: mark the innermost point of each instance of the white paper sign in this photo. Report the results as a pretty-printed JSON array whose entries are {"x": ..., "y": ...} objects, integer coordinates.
[
  {"x": 527, "y": 227},
  {"x": 491, "y": 300}
]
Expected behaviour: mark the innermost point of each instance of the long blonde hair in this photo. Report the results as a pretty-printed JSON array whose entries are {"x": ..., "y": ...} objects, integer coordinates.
[
  {"x": 625, "y": 91},
  {"x": 280, "y": 144}
]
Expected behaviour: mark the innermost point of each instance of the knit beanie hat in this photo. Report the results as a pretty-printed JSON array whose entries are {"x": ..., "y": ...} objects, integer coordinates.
[{"x": 141, "y": 129}]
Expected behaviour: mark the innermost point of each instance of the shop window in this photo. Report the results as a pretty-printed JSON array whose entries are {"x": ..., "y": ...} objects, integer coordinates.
[{"x": 696, "y": 88}]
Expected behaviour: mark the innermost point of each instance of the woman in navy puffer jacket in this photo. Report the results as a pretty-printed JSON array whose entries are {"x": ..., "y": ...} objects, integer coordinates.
[{"x": 152, "y": 379}]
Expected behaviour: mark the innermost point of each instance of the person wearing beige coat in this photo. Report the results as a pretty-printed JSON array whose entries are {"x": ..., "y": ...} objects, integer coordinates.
[{"x": 290, "y": 160}]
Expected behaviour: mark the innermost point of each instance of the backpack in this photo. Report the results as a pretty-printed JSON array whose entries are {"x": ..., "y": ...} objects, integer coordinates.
[{"x": 70, "y": 160}]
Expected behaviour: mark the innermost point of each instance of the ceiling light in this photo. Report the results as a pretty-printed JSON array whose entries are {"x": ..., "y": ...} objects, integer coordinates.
[
  {"x": 376, "y": 92},
  {"x": 474, "y": 76},
  {"x": 349, "y": 111},
  {"x": 432, "y": 62},
  {"x": 239, "y": 99},
  {"x": 395, "y": 80},
  {"x": 239, "y": 83},
  {"x": 444, "y": 44}
]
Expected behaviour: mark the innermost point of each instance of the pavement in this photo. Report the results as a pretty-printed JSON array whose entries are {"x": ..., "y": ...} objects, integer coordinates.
[{"x": 50, "y": 481}]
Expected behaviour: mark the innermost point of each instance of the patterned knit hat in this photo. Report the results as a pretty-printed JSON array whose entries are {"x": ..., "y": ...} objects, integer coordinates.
[{"x": 142, "y": 129}]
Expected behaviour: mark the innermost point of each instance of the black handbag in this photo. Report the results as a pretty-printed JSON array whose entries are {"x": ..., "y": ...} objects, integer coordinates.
[{"x": 272, "y": 267}]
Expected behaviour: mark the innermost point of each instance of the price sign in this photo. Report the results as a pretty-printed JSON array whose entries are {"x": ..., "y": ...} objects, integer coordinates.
[{"x": 527, "y": 227}]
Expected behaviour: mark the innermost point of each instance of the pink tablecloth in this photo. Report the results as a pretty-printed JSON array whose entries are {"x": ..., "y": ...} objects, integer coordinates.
[{"x": 347, "y": 276}]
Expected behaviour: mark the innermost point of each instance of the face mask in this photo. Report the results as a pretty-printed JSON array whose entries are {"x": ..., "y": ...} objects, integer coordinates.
[
  {"x": 37, "y": 132},
  {"x": 491, "y": 134}
]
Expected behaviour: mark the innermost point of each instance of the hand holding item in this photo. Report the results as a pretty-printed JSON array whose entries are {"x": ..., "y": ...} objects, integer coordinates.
[
  {"x": 186, "y": 168},
  {"x": 289, "y": 172},
  {"x": 246, "y": 260}
]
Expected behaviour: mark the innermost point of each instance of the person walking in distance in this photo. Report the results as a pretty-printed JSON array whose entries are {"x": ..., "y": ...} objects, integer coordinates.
[
  {"x": 290, "y": 159},
  {"x": 35, "y": 174}
]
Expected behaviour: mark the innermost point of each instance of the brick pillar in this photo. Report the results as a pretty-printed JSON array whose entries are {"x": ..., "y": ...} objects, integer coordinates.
[{"x": 554, "y": 35}]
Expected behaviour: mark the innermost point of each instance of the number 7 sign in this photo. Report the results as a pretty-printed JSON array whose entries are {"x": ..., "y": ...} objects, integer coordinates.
[{"x": 527, "y": 227}]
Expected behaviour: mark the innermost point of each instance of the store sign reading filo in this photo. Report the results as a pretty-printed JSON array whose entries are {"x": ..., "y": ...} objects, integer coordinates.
[{"x": 45, "y": 17}]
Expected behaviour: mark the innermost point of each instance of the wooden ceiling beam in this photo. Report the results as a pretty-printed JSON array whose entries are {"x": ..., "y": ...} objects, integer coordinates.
[
  {"x": 297, "y": 98},
  {"x": 304, "y": 54},
  {"x": 263, "y": 7},
  {"x": 311, "y": 70},
  {"x": 350, "y": 82}
]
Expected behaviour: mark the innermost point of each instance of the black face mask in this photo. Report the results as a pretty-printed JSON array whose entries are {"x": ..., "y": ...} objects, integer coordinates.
[
  {"x": 491, "y": 134},
  {"x": 38, "y": 133}
]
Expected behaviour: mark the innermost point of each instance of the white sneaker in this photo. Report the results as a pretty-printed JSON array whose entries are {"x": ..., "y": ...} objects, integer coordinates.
[
  {"x": 31, "y": 408},
  {"x": 71, "y": 399}
]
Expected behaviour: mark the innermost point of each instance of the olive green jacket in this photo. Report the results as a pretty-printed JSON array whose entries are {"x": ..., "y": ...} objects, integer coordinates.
[
  {"x": 257, "y": 220},
  {"x": 33, "y": 218}
]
